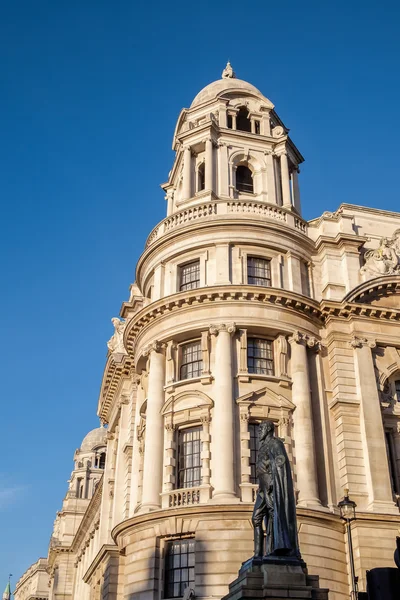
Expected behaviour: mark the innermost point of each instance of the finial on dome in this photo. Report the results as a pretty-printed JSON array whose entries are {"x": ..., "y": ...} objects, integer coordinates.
[{"x": 228, "y": 72}]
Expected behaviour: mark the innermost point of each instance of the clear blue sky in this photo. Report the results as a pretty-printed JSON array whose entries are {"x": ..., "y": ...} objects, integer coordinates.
[{"x": 90, "y": 92}]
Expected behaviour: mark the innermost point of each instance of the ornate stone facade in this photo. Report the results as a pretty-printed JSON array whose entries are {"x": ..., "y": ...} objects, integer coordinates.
[{"x": 243, "y": 311}]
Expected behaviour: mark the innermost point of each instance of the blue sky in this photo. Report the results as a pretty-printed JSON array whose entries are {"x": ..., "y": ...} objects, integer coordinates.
[{"x": 89, "y": 95}]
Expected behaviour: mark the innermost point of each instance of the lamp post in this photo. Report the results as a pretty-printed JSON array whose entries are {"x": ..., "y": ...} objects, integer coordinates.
[{"x": 348, "y": 513}]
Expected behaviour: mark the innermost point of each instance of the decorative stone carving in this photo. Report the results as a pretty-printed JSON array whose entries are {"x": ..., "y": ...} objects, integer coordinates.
[
  {"x": 229, "y": 327},
  {"x": 278, "y": 132},
  {"x": 228, "y": 72},
  {"x": 385, "y": 260},
  {"x": 358, "y": 342},
  {"x": 308, "y": 340},
  {"x": 154, "y": 346},
  {"x": 116, "y": 343}
]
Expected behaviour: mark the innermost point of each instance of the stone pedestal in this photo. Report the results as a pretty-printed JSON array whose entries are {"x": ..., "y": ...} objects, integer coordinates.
[{"x": 274, "y": 579}]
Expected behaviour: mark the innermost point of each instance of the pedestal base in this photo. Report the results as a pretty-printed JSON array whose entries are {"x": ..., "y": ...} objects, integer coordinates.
[{"x": 274, "y": 579}]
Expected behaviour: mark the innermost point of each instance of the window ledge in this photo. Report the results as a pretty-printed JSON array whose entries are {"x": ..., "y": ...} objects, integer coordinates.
[
  {"x": 248, "y": 377},
  {"x": 204, "y": 380}
]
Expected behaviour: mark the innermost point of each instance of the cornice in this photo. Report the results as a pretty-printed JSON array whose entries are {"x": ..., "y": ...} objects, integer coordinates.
[
  {"x": 106, "y": 549},
  {"x": 348, "y": 310},
  {"x": 273, "y": 296},
  {"x": 113, "y": 373},
  {"x": 340, "y": 240},
  {"x": 385, "y": 283}
]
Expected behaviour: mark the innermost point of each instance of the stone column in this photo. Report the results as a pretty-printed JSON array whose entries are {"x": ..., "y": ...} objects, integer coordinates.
[
  {"x": 223, "y": 170},
  {"x": 296, "y": 190},
  {"x": 286, "y": 199},
  {"x": 153, "y": 446},
  {"x": 223, "y": 478},
  {"x": 372, "y": 432},
  {"x": 187, "y": 173},
  {"x": 205, "y": 450},
  {"x": 305, "y": 460},
  {"x": 169, "y": 463},
  {"x": 271, "y": 187},
  {"x": 140, "y": 397},
  {"x": 209, "y": 166}
]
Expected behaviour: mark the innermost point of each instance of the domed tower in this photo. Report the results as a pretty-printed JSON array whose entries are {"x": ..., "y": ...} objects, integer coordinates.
[{"x": 89, "y": 463}]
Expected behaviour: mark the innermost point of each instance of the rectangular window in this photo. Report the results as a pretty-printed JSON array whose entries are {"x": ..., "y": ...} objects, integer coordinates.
[
  {"x": 191, "y": 360},
  {"x": 229, "y": 121},
  {"x": 179, "y": 568},
  {"x": 189, "y": 276},
  {"x": 257, "y": 127},
  {"x": 189, "y": 457},
  {"x": 253, "y": 431},
  {"x": 258, "y": 271},
  {"x": 260, "y": 357},
  {"x": 397, "y": 387}
]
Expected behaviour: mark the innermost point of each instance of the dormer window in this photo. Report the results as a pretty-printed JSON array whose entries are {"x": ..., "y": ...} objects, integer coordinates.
[
  {"x": 243, "y": 122},
  {"x": 244, "y": 179}
]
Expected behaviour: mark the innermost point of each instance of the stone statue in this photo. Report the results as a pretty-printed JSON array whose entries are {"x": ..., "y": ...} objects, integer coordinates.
[
  {"x": 385, "y": 259},
  {"x": 275, "y": 502},
  {"x": 116, "y": 343}
]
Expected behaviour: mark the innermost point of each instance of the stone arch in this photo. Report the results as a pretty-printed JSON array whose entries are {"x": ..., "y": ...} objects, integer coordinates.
[{"x": 240, "y": 158}]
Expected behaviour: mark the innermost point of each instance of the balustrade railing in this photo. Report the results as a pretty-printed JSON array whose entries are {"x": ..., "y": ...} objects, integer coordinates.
[
  {"x": 207, "y": 210},
  {"x": 184, "y": 497}
]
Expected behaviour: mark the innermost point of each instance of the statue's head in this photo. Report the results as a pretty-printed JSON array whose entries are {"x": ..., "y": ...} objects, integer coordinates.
[{"x": 266, "y": 428}]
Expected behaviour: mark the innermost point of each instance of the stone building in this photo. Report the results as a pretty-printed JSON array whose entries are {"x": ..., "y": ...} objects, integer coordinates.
[{"x": 241, "y": 311}]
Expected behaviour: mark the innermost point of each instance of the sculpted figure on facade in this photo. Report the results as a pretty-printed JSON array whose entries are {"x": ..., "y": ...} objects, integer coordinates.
[
  {"x": 116, "y": 343},
  {"x": 385, "y": 260},
  {"x": 275, "y": 502}
]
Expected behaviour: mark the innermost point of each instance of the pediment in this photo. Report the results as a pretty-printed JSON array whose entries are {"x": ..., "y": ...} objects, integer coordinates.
[
  {"x": 187, "y": 400},
  {"x": 382, "y": 292},
  {"x": 268, "y": 397}
]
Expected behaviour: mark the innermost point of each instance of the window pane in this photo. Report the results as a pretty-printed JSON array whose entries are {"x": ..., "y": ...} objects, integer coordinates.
[
  {"x": 260, "y": 357},
  {"x": 189, "y": 276},
  {"x": 177, "y": 578},
  {"x": 189, "y": 457},
  {"x": 192, "y": 361},
  {"x": 258, "y": 271}
]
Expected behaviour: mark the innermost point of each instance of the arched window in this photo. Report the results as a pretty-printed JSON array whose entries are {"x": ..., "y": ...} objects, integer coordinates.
[
  {"x": 244, "y": 179},
  {"x": 200, "y": 177},
  {"x": 102, "y": 460},
  {"x": 242, "y": 120}
]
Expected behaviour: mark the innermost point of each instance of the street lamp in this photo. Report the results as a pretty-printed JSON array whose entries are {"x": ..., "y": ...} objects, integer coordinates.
[{"x": 348, "y": 513}]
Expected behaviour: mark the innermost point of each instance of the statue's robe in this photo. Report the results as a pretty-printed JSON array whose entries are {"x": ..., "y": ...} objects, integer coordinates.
[{"x": 275, "y": 501}]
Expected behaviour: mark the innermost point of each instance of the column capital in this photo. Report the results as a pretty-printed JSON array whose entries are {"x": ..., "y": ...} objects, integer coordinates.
[
  {"x": 170, "y": 427},
  {"x": 186, "y": 148},
  {"x": 281, "y": 153},
  {"x": 306, "y": 340},
  {"x": 221, "y": 327},
  {"x": 205, "y": 419},
  {"x": 358, "y": 342},
  {"x": 244, "y": 416},
  {"x": 154, "y": 346}
]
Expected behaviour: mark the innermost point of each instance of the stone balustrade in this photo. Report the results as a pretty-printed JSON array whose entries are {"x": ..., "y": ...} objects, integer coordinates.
[{"x": 228, "y": 209}]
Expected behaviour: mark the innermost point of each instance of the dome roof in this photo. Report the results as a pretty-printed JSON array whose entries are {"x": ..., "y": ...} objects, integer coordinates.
[
  {"x": 96, "y": 437},
  {"x": 226, "y": 84}
]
